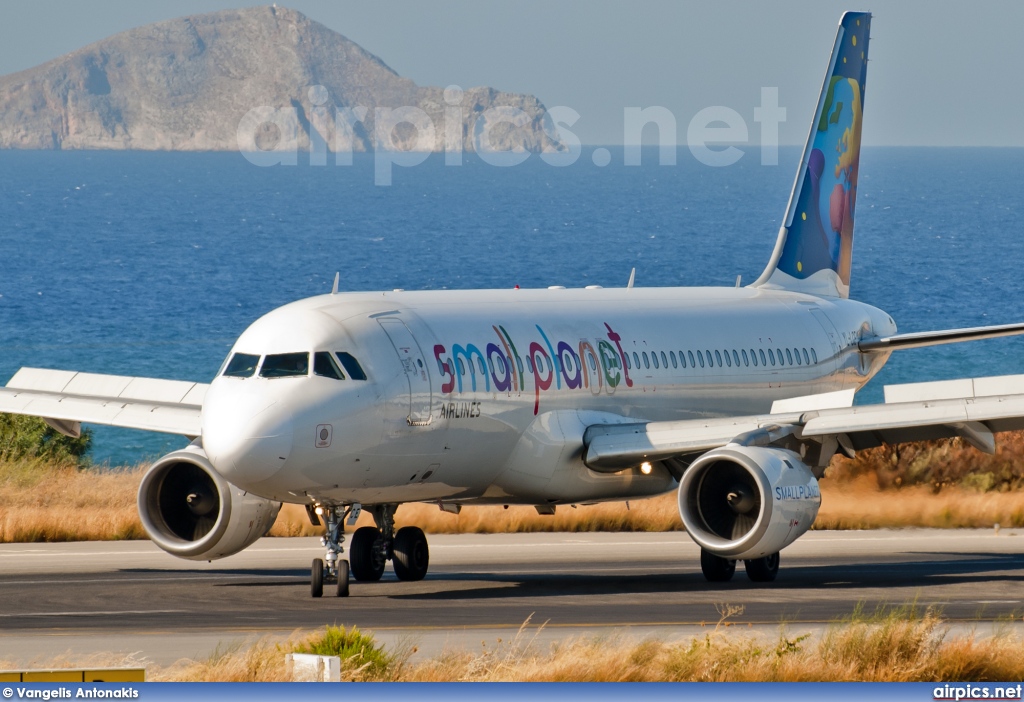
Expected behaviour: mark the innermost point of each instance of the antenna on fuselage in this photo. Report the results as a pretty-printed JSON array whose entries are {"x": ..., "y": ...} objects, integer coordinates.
[
  {"x": 632, "y": 277},
  {"x": 337, "y": 277}
]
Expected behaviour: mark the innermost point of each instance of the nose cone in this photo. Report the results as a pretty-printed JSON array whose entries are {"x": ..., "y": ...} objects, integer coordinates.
[{"x": 247, "y": 437}]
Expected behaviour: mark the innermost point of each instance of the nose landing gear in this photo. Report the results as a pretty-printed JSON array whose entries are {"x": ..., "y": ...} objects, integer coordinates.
[{"x": 333, "y": 569}]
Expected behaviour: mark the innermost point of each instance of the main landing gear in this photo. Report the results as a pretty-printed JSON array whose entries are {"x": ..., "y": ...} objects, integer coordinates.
[
  {"x": 372, "y": 547},
  {"x": 370, "y": 550},
  {"x": 719, "y": 570}
]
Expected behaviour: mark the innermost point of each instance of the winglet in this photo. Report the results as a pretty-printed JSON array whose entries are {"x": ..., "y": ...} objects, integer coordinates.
[
  {"x": 632, "y": 277},
  {"x": 337, "y": 277}
]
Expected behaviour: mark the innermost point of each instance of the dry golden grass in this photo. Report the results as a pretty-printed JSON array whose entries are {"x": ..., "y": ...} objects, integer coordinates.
[
  {"x": 42, "y": 502},
  {"x": 891, "y": 648},
  {"x": 860, "y": 504},
  {"x": 895, "y": 645},
  {"x": 930, "y": 484}
]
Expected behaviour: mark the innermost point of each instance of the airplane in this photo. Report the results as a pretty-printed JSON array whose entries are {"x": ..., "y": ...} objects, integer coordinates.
[{"x": 737, "y": 398}]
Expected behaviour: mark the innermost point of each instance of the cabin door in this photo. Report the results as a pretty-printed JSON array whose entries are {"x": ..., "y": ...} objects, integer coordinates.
[{"x": 414, "y": 367}]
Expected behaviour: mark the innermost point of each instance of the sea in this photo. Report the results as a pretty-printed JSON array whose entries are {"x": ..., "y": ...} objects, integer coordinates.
[{"x": 151, "y": 264}]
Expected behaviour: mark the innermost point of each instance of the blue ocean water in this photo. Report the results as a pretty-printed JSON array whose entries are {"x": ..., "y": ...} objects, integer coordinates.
[{"x": 152, "y": 263}]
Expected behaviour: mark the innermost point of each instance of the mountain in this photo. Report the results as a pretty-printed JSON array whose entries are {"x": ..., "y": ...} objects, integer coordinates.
[{"x": 186, "y": 85}]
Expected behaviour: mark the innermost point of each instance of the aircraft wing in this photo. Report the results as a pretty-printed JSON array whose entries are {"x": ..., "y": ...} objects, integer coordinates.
[
  {"x": 65, "y": 399},
  {"x": 972, "y": 408}
]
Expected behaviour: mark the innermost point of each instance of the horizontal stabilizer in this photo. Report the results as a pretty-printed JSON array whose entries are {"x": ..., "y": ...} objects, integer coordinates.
[
  {"x": 936, "y": 338},
  {"x": 951, "y": 389}
]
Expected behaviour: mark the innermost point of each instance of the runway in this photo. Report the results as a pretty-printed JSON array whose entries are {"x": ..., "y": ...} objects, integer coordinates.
[{"x": 130, "y": 596}]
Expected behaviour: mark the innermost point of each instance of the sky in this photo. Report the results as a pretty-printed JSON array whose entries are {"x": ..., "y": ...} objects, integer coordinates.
[{"x": 939, "y": 72}]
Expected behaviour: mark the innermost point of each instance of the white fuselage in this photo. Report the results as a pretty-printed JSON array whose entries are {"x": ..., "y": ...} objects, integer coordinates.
[{"x": 486, "y": 400}]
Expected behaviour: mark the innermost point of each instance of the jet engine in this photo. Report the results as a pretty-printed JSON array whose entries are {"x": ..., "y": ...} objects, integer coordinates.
[
  {"x": 747, "y": 502},
  {"x": 191, "y": 512}
]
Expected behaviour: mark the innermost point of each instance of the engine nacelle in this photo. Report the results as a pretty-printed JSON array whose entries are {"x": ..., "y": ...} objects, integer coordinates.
[
  {"x": 191, "y": 512},
  {"x": 746, "y": 502}
]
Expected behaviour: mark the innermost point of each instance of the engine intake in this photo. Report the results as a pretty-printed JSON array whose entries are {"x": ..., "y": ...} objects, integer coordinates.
[
  {"x": 192, "y": 512},
  {"x": 746, "y": 502}
]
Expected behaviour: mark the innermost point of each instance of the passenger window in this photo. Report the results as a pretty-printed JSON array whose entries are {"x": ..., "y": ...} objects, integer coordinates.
[
  {"x": 718, "y": 357},
  {"x": 764, "y": 361},
  {"x": 664, "y": 360},
  {"x": 593, "y": 363},
  {"x": 814, "y": 355},
  {"x": 654, "y": 359},
  {"x": 351, "y": 365},
  {"x": 672, "y": 355},
  {"x": 700, "y": 357},
  {"x": 778, "y": 352},
  {"x": 692, "y": 364},
  {"x": 807, "y": 361},
  {"x": 728, "y": 361},
  {"x": 460, "y": 366},
  {"x": 771, "y": 356},
  {"x": 629, "y": 366},
  {"x": 789, "y": 357},
  {"x": 323, "y": 365},
  {"x": 636, "y": 360},
  {"x": 796, "y": 353},
  {"x": 480, "y": 365},
  {"x": 746, "y": 360},
  {"x": 735, "y": 358},
  {"x": 647, "y": 361},
  {"x": 529, "y": 363},
  {"x": 242, "y": 365},
  {"x": 285, "y": 365}
]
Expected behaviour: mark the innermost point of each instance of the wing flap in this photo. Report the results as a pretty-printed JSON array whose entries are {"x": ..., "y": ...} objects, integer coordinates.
[
  {"x": 973, "y": 416},
  {"x": 612, "y": 448}
]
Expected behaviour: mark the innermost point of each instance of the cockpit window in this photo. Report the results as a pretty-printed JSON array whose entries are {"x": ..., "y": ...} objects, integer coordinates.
[
  {"x": 242, "y": 365},
  {"x": 323, "y": 365},
  {"x": 285, "y": 365},
  {"x": 351, "y": 365}
]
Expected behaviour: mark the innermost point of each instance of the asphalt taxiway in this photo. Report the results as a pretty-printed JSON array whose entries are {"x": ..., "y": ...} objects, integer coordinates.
[{"x": 131, "y": 597}]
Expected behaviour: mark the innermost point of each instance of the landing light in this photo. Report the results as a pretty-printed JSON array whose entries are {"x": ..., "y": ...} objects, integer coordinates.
[
  {"x": 646, "y": 467},
  {"x": 319, "y": 511}
]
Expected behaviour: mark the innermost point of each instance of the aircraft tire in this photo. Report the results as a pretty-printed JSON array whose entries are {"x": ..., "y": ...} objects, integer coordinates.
[
  {"x": 763, "y": 570},
  {"x": 366, "y": 562},
  {"x": 411, "y": 554},
  {"x": 342, "y": 590},
  {"x": 715, "y": 568},
  {"x": 316, "y": 581}
]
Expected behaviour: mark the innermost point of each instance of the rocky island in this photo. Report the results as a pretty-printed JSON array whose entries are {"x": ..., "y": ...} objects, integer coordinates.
[{"x": 187, "y": 84}]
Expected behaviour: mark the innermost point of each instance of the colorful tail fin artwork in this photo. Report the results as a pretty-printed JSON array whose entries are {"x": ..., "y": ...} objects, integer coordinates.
[{"x": 815, "y": 245}]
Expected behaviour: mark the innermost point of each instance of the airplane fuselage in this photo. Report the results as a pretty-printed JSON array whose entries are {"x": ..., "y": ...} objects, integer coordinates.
[{"x": 484, "y": 400}]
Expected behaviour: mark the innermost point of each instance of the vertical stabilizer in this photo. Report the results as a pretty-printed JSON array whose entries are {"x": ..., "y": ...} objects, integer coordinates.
[{"x": 815, "y": 245}]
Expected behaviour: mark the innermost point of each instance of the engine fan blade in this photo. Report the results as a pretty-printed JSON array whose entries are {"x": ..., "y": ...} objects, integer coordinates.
[
  {"x": 202, "y": 528},
  {"x": 742, "y": 525}
]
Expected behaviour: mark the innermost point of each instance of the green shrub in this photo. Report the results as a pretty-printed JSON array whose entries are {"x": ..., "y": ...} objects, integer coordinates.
[
  {"x": 359, "y": 652},
  {"x": 24, "y": 437}
]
